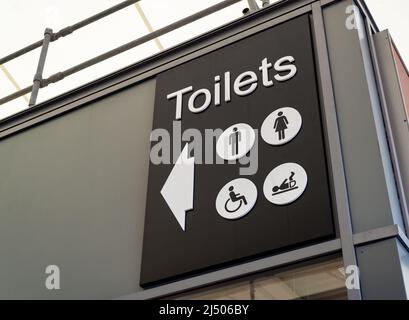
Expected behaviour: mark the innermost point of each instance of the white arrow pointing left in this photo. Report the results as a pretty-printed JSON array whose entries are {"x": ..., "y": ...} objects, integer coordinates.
[{"x": 178, "y": 188}]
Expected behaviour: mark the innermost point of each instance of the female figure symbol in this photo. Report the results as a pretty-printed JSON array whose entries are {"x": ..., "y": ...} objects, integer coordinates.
[{"x": 280, "y": 125}]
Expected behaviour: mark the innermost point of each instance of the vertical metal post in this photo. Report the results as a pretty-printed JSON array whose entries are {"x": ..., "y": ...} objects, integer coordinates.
[
  {"x": 388, "y": 129},
  {"x": 38, "y": 77},
  {"x": 334, "y": 145},
  {"x": 253, "y": 5}
]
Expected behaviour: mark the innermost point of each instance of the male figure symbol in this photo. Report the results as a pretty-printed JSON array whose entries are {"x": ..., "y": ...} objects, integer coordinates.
[{"x": 234, "y": 140}]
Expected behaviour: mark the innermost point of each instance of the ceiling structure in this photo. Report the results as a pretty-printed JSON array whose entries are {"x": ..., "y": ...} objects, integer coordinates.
[{"x": 117, "y": 29}]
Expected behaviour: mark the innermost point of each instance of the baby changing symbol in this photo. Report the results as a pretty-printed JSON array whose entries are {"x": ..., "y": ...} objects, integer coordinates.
[{"x": 285, "y": 183}]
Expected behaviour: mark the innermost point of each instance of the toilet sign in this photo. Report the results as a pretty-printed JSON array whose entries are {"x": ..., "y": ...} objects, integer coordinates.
[{"x": 260, "y": 96}]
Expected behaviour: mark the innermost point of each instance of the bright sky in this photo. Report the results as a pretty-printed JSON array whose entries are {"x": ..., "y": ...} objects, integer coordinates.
[{"x": 24, "y": 21}]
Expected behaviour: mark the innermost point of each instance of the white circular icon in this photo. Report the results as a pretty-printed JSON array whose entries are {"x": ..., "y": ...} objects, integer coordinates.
[
  {"x": 281, "y": 126},
  {"x": 285, "y": 183},
  {"x": 235, "y": 141},
  {"x": 236, "y": 199}
]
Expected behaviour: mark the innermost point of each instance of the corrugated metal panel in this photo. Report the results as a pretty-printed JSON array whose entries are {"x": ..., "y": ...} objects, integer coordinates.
[{"x": 403, "y": 77}]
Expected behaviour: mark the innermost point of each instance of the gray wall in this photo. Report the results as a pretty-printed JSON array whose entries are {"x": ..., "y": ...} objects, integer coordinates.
[
  {"x": 382, "y": 274},
  {"x": 370, "y": 181},
  {"x": 395, "y": 109},
  {"x": 72, "y": 193}
]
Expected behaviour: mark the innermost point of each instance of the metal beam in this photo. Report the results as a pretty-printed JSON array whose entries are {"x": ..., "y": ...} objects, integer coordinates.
[
  {"x": 176, "y": 25},
  {"x": 38, "y": 77},
  {"x": 12, "y": 80},
  {"x": 376, "y": 235},
  {"x": 388, "y": 128},
  {"x": 68, "y": 30},
  {"x": 381, "y": 234},
  {"x": 145, "y": 69},
  {"x": 148, "y": 25},
  {"x": 334, "y": 145},
  {"x": 299, "y": 255},
  {"x": 253, "y": 5}
]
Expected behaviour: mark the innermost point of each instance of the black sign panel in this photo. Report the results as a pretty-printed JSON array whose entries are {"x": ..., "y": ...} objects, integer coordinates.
[{"x": 266, "y": 82}]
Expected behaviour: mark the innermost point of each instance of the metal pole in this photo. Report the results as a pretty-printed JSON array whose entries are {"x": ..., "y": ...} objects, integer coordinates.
[
  {"x": 68, "y": 30},
  {"x": 341, "y": 201},
  {"x": 38, "y": 77},
  {"x": 178, "y": 24},
  {"x": 22, "y": 51},
  {"x": 142, "y": 40},
  {"x": 253, "y": 5},
  {"x": 16, "y": 95}
]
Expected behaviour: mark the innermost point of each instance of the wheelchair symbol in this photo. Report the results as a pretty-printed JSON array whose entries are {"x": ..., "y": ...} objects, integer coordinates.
[
  {"x": 236, "y": 199},
  {"x": 233, "y": 198}
]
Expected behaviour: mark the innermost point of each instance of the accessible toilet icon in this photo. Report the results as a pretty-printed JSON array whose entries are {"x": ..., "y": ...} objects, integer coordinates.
[{"x": 236, "y": 199}]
